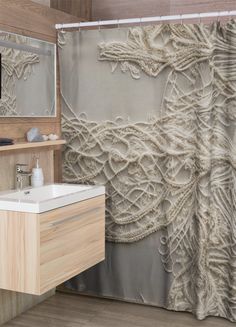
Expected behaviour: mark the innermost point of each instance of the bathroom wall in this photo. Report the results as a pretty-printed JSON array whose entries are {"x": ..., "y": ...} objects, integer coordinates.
[
  {"x": 32, "y": 19},
  {"x": 115, "y": 9},
  {"x": 35, "y": 20},
  {"x": 43, "y": 2},
  {"x": 9, "y": 159},
  {"x": 79, "y": 8}
]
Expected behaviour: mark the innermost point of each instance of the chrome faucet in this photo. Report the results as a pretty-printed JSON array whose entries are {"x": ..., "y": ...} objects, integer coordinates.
[{"x": 22, "y": 176}]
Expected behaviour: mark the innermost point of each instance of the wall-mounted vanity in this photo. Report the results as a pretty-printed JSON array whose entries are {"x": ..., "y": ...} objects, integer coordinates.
[{"x": 49, "y": 234}]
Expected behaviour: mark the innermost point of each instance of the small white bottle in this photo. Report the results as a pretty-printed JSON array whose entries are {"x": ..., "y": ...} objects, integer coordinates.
[{"x": 37, "y": 178}]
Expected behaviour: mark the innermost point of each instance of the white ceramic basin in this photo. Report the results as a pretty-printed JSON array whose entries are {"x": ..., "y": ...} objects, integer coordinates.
[{"x": 47, "y": 197}]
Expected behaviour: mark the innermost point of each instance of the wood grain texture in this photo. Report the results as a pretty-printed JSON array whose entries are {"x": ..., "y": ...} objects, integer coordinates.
[
  {"x": 31, "y": 19},
  {"x": 8, "y": 161},
  {"x": 19, "y": 252},
  {"x": 12, "y": 303},
  {"x": 17, "y": 128},
  {"x": 72, "y": 240},
  {"x": 79, "y": 8},
  {"x": 35, "y": 20},
  {"x": 43, "y": 2},
  {"x": 66, "y": 310},
  {"x": 31, "y": 145},
  {"x": 40, "y": 251},
  {"x": 116, "y": 9}
]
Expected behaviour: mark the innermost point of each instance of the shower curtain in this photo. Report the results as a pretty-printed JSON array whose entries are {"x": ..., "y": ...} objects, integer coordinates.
[{"x": 150, "y": 112}]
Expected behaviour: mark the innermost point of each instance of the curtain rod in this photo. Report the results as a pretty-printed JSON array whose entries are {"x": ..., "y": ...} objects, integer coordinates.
[{"x": 146, "y": 19}]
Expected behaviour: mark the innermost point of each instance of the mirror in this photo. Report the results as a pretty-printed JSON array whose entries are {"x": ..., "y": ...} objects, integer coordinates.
[{"x": 28, "y": 77}]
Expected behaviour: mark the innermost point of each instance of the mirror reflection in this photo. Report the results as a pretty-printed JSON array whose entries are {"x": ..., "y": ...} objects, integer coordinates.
[{"x": 28, "y": 77}]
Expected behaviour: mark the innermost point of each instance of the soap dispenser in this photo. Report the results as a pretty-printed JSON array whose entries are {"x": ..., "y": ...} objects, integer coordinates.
[{"x": 37, "y": 178}]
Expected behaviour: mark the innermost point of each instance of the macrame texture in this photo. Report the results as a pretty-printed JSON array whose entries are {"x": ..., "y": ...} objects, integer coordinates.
[
  {"x": 177, "y": 172},
  {"x": 16, "y": 64}
]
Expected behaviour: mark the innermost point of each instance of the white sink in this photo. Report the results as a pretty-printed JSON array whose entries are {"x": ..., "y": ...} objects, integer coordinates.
[{"x": 47, "y": 197}]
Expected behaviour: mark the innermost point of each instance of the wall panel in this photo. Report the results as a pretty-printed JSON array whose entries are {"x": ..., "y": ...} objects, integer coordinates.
[
  {"x": 31, "y": 19},
  {"x": 79, "y": 8},
  {"x": 12, "y": 303},
  {"x": 43, "y": 2},
  {"x": 115, "y": 9}
]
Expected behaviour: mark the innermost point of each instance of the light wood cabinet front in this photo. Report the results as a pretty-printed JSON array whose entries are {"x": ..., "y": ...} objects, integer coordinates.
[{"x": 40, "y": 251}]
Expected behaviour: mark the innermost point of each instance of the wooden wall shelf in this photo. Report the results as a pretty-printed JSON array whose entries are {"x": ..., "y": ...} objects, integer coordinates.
[{"x": 31, "y": 145}]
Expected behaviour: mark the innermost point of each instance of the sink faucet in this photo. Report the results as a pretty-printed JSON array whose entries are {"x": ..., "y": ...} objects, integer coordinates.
[{"x": 21, "y": 176}]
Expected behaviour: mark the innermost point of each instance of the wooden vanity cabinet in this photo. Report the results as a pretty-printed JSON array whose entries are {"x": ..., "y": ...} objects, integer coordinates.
[{"x": 40, "y": 251}]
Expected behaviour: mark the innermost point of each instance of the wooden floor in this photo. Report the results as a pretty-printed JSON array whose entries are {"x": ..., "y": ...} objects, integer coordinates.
[{"x": 68, "y": 310}]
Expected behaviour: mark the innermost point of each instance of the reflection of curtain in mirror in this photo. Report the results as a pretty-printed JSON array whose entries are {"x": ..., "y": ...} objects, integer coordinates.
[
  {"x": 157, "y": 126},
  {"x": 16, "y": 64}
]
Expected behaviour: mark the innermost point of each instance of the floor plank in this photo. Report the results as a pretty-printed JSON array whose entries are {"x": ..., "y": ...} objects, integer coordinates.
[{"x": 68, "y": 310}]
